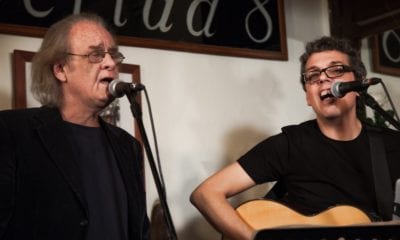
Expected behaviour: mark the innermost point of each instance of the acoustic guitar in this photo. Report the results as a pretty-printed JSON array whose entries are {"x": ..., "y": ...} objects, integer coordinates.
[{"x": 262, "y": 214}]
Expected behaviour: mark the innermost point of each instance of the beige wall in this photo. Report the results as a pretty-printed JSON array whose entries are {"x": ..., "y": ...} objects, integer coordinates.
[{"x": 209, "y": 110}]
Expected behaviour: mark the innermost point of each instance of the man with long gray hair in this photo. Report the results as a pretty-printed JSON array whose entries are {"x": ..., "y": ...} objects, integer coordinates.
[{"x": 64, "y": 172}]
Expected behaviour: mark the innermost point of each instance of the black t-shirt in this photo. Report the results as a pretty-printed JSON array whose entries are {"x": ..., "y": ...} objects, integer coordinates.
[
  {"x": 103, "y": 187},
  {"x": 319, "y": 172}
]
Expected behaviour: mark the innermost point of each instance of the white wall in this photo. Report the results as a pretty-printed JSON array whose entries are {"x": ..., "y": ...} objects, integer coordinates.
[{"x": 209, "y": 110}]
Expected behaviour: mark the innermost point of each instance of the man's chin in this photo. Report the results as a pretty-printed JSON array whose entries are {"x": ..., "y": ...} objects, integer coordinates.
[
  {"x": 105, "y": 103},
  {"x": 330, "y": 114}
]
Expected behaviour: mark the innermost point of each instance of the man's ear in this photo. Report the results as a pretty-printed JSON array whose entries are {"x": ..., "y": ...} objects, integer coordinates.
[{"x": 58, "y": 71}]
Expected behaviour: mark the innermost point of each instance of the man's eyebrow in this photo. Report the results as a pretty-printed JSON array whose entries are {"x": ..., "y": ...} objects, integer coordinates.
[
  {"x": 333, "y": 63},
  {"x": 312, "y": 68},
  {"x": 336, "y": 63},
  {"x": 97, "y": 47},
  {"x": 101, "y": 47},
  {"x": 113, "y": 49}
]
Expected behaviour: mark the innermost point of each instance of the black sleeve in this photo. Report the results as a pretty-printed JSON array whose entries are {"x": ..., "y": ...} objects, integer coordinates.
[
  {"x": 392, "y": 142},
  {"x": 7, "y": 177},
  {"x": 267, "y": 160}
]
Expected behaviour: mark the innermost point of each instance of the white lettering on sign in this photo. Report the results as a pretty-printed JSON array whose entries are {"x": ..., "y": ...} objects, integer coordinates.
[
  {"x": 162, "y": 23},
  {"x": 385, "y": 37},
  {"x": 268, "y": 21}
]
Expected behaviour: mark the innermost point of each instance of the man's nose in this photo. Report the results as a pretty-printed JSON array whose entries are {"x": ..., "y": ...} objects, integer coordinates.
[
  {"x": 323, "y": 77},
  {"x": 109, "y": 62}
]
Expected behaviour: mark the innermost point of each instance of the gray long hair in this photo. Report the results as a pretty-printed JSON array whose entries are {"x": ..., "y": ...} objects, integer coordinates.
[{"x": 56, "y": 43}]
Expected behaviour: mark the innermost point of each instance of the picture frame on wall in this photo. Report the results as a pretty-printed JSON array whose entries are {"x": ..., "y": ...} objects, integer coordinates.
[
  {"x": 242, "y": 28},
  {"x": 117, "y": 113},
  {"x": 386, "y": 52}
]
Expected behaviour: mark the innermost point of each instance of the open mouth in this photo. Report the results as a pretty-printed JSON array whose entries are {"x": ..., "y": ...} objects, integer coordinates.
[
  {"x": 106, "y": 80},
  {"x": 325, "y": 95}
]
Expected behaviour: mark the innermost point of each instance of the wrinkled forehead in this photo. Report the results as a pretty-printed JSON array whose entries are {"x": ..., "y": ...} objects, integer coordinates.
[{"x": 86, "y": 35}]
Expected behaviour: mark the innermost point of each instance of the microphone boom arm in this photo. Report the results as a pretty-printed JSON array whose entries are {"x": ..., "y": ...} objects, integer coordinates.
[{"x": 372, "y": 103}]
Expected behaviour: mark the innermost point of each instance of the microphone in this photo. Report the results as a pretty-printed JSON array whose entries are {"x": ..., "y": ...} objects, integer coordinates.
[
  {"x": 339, "y": 89},
  {"x": 118, "y": 88}
]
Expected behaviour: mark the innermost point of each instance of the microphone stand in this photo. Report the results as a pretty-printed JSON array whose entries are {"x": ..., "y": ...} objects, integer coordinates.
[
  {"x": 137, "y": 114},
  {"x": 372, "y": 103}
]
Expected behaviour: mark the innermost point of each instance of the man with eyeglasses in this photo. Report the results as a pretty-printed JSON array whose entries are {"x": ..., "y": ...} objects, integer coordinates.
[
  {"x": 317, "y": 164},
  {"x": 64, "y": 172}
]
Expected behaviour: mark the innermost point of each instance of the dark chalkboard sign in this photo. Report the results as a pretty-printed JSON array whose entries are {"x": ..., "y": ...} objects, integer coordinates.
[
  {"x": 386, "y": 52},
  {"x": 246, "y": 28}
]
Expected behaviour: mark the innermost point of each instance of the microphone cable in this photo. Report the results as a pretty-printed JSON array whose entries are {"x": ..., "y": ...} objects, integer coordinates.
[{"x": 158, "y": 161}]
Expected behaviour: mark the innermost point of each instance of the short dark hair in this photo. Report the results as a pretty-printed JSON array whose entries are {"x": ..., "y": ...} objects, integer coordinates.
[{"x": 339, "y": 44}]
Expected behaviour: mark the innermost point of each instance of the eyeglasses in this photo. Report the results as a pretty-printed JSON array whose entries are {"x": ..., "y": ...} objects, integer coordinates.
[
  {"x": 98, "y": 56},
  {"x": 313, "y": 76}
]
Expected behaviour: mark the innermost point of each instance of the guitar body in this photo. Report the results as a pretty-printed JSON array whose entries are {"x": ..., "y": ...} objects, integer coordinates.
[{"x": 261, "y": 214}]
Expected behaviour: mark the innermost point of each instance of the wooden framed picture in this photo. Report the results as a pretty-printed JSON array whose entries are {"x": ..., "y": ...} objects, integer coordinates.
[
  {"x": 386, "y": 52},
  {"x": 241, "y": 28},
  {"x": 117, "y": 113}
]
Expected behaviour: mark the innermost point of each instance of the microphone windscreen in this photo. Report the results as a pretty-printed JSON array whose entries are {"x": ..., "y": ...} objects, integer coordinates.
[
  {"x": 114, "y": 90},
  {"x": 335, "y": 90}
]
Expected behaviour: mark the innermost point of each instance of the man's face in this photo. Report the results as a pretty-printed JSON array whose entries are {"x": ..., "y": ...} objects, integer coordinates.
[
  {"x": 82, "y": 81},
  {"x": 317, "y": 91}
]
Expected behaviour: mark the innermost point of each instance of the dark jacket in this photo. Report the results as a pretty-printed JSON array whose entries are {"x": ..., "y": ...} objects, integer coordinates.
[{"x": 40, "y": 189}]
